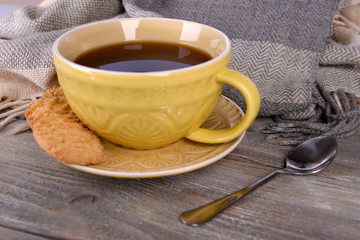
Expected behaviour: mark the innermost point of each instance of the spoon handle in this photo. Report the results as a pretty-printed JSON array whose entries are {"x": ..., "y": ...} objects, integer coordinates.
[{"x": 206, "y": 212}]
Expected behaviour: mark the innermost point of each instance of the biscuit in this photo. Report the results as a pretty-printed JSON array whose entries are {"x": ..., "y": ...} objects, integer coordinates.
[{"x": 60, "y": 132}]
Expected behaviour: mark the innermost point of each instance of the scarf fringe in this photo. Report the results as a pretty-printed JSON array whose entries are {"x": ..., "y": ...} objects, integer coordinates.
[
  {"x": 11, "y": 110},
  {"x": 338, "y": 115}
]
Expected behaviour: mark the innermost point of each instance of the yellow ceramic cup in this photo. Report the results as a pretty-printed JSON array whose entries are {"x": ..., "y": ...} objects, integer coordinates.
[{"x": 153, "y": 109}]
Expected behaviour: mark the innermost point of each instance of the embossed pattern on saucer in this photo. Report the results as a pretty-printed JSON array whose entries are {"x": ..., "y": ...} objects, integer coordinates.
[{"x": 179, "y": 157}]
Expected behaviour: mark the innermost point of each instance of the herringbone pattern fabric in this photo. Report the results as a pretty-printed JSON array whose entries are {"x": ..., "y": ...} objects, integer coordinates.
[
  {"x": 283, "y": 74},
  {"x": 307, "y": 80}
]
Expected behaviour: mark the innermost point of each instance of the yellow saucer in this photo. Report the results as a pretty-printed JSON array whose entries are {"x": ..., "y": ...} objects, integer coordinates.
[{"x": 179, "y": 157}]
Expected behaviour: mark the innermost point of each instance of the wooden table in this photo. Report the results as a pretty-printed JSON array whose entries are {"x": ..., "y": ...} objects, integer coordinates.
[{"x": 41, "y": 198}]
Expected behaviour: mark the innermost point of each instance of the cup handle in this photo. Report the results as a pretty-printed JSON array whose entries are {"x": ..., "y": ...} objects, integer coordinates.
[{"x": 252, "y": 98}]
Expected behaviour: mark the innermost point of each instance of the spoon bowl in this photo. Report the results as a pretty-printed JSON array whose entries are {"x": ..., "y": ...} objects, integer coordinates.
[
  {"x": 311, "y": 156},
  {"x": 307, "y": 158}
]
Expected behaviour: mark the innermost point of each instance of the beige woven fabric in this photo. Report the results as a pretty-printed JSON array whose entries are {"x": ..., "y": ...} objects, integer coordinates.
[{"x": 27, "y": 34}]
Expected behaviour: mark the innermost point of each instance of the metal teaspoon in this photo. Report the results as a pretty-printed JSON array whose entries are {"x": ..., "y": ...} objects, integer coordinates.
[{"x": 307, "y": 158}]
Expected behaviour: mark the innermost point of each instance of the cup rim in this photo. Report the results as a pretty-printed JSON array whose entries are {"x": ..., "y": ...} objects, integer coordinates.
[{"x": 95, "y": 70}]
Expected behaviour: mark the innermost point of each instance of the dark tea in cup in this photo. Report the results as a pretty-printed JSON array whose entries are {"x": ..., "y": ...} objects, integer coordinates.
[{"x": 143, "y": 57}]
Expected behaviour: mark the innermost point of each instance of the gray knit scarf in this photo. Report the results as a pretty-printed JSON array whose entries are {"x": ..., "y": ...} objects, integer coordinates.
[{"x": 304, "y": 56}]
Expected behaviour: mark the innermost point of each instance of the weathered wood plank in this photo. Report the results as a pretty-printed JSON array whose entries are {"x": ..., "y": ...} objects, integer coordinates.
[
  {"x": 13, "y": 234},
  {"x": 42, "y": 197}
]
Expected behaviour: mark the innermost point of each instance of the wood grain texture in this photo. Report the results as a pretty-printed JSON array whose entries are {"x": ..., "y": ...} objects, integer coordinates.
[
  {"x": 13, "y": 234},
  {"x": 41, "y": 198}
]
